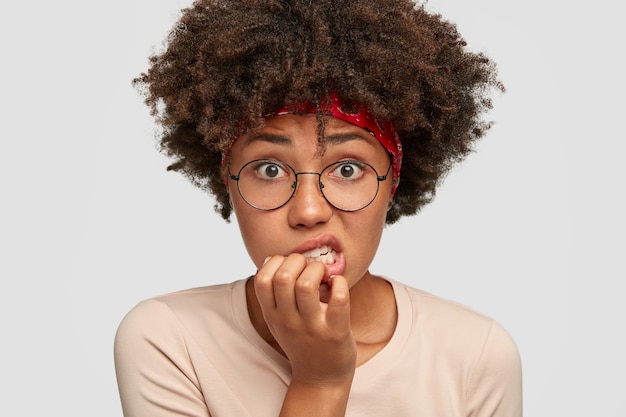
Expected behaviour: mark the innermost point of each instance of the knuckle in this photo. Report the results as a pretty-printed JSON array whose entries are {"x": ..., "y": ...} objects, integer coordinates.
[
  {"x": 305, "y": 286},
  {"x": 262, "y": 279},
  {"x": 341, "y": 299},
  {"x": 282, "y": 278}
]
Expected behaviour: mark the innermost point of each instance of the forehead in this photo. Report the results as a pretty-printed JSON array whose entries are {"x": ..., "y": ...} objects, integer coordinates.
[{"x": 293, "y": 130}]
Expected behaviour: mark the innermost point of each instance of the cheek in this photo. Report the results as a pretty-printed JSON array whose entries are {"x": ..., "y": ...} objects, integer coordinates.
[
  {"x": 374, "y": 233},
  {"x": 365, "y": 233},
  {"x": 249, "y": 227},
  {"x": 255, "y": 227},
  {"x": 379, "y": 209}
]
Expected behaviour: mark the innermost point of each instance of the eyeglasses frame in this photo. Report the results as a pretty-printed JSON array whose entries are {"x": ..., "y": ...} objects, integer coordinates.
[{"x": 294, "y": 185}]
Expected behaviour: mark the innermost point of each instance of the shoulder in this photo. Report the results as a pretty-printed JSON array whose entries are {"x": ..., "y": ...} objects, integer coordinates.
[
  {"x": 171, "y": 317},
  {"x": 429, "y": 309},
  {"x": 434, "y": 312},
  {"x": 159, "y": 345},
  {"x": 457, "y": 330},
  {"x": 456, "y": 342}
]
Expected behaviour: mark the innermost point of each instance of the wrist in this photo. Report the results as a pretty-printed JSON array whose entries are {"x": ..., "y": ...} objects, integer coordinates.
[{"x": 327, "y": 398}]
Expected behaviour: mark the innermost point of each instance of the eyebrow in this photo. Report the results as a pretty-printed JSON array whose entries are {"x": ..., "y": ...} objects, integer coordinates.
[
  {"x": 267, "y": 137},
  {"x": 340, "y": 138},
  {"x": 335, "y": 139}
]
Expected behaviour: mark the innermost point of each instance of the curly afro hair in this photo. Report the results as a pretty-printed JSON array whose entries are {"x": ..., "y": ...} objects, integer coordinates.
[{"x": 228, "y": 62}]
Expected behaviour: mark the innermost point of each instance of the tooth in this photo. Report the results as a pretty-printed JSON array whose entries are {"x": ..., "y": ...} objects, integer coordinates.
[
  {"x": 328, "y": 258},
  {"x": 324, "y": 254}
]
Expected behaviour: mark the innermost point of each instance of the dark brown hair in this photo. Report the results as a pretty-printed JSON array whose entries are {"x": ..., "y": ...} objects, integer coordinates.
[{"x": 228, "y": 62}]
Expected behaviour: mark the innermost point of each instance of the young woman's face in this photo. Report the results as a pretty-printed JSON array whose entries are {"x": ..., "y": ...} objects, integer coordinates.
[{"x": 307, "y": 221}]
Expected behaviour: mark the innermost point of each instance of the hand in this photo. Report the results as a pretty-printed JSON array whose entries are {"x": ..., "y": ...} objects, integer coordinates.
[{"x": 315, "y": 335}]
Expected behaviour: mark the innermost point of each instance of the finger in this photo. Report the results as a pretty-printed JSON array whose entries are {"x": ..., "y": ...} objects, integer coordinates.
[
  {"x": 284, "y": 282},
  {"x": 338, "y": 311},
  {"x": 308, "y": 290},
  {"x": 263, "y": 286}
]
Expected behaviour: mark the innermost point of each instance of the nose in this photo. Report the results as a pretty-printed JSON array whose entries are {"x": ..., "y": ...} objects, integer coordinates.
[{"x": 308, "y": 207}]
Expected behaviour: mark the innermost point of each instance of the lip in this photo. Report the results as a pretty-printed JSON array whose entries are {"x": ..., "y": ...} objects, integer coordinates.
[{"x": 327, "y": 239}]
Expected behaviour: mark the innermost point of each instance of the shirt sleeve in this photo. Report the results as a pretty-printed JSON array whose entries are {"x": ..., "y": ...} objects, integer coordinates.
[
  {"x": 495, "y": 387},
  {"x": 154, "y": 372}
]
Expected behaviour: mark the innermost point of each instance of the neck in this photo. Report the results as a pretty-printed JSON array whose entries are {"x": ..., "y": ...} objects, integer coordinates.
[{"x": 373, "y": 312}]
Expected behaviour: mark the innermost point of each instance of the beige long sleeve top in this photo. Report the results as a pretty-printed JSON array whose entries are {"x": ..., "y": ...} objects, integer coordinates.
[{"x": 196, "y": 353}]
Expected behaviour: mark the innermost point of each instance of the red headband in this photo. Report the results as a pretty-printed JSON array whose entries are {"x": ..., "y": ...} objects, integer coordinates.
[{"x": 382, "y": 130}]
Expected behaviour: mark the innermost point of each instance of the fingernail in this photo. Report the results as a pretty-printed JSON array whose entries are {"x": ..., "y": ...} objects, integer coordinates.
[{"x": 267, "y": 259}]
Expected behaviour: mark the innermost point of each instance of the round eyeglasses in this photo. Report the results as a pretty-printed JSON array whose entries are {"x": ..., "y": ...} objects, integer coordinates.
[{"x": 348, "y": 185}]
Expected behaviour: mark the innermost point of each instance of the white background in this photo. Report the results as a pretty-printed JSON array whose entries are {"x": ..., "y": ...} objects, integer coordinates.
[{"x": 529, "y": 230}]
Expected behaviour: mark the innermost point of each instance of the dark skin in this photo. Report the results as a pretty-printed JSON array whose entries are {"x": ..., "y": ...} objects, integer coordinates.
[
  {"x": 228, "y": 64},
  {"x": 325, "y": 324}
]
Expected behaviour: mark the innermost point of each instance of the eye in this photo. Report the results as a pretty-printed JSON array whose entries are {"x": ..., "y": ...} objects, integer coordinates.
[
  {"x": 348, "y": 170},
  {"x": 269, "y": 170}
]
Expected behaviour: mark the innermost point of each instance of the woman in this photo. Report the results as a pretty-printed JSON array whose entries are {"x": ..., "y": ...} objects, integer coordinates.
[{"x": 316, "y": 123}]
